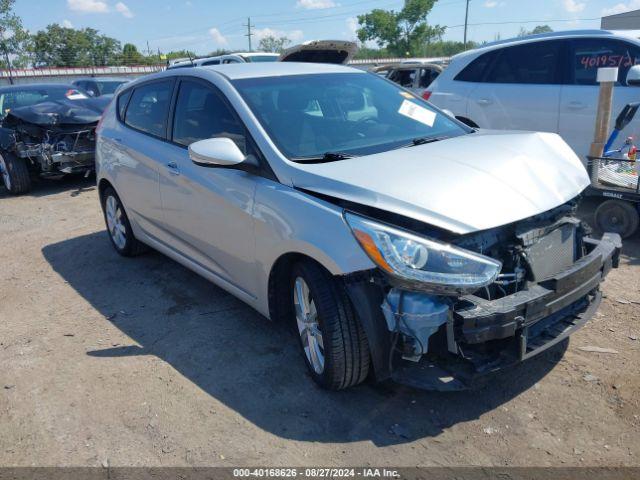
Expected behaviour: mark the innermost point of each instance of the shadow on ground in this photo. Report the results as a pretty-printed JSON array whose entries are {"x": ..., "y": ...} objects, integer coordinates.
[
  {"x": 75, "y": 184},
  {"x": 252, "y": 365}
]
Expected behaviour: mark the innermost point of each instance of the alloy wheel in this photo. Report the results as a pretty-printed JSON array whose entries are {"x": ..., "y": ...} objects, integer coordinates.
[
  {"x": 308, "y": 326},
  {"x": 115, "y": 222}
]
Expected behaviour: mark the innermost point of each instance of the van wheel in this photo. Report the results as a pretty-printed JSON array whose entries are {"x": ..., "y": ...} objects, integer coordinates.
[
  {"x": 15, "y": 173},
  {"x": 118, "y": 226},
  {"x": 617, "y": 216},
  {"x": 334, "y": 344}
]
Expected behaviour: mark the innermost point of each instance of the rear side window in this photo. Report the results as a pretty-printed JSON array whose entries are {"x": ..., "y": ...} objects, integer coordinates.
[
  {"x": 427, "y": 76},
  {"x": 474, "y": 72},
  {"x": 211, "y": 62},
  {"x": 148, "y": 108},
  {"x": 534, "y": 63},
  {"x": 404, "y": 78},
  {"x": 201, "y": 113},
  {"x": 587, "y": 55},
  {"x": 123, "y": 99}
]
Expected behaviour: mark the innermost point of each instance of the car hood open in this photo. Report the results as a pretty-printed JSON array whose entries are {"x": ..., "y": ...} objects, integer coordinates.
[
  {"x": 463, "y": 184},
  {"x": 320, "y": 51}
]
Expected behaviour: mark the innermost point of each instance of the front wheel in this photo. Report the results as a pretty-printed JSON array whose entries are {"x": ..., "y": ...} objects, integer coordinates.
[
  {"x": 617, "y": 216},
  {"x": 15, "y": 173},
  {"x": 118, "y": 226},
  {"x": 333, "y": 341}
]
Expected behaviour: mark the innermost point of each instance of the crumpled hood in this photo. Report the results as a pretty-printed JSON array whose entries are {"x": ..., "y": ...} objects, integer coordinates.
[
  {"x": 462, "y": 184},
  {"x": 60, "y": 112}
]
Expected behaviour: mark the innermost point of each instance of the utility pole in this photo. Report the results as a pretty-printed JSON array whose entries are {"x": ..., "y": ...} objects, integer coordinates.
[
  {"x": 148, "y": 49},
  {"x": 249, "y": 34},
  {"x": 6, "y": 56},
  {"x": 466, "y": 19}
]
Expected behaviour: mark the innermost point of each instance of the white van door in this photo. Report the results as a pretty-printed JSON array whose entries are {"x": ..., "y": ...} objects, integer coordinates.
[
  {"x": 521, "y": 89},
  {"x": 579, "y": 98}
]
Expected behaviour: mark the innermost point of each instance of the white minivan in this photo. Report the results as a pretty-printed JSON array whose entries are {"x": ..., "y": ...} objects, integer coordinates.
[{"x": 541, "y": 82}]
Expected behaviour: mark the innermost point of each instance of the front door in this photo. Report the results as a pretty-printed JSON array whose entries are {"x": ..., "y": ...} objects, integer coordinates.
[
  {"x": 579, "y": 98},
  {"x": 208, "y": 210},
  {"x": 521, "y": 89}
]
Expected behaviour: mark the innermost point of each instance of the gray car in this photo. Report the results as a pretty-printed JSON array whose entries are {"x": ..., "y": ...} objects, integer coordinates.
[{"x": 396, "y": 241}]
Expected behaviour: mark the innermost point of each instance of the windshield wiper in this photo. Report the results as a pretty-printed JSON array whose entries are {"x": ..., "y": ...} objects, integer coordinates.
[
  {"x": 326, "y": 157},
  {"x": 423, "y": 140}
]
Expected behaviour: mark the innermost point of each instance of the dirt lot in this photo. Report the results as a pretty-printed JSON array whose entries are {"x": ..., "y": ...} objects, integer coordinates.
[{"x": 106, "y": 360}]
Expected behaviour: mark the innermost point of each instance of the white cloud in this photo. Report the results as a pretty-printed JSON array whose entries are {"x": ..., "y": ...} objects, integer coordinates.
[
  {"x": 217, "y": 37},
  {"x": 293, "y": 35},
  {"x": 88, "y": 6},
  {"x": 352, "y": 27},
  {"x": 490, "y": 4},
  {"x": 67, "y": 24},
  {"x": 573, "y": 6},
  {"x": 621, "y": 8},
  {"x": 316, "y": 4},
  {"x": 124, "y": 10}
]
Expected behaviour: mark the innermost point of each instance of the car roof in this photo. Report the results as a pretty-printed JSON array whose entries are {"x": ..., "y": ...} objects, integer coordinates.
[
  {"x": 234, "y": 71},
  {"x": 98, "y": 79},
  {"x": 35, "y": 86},
  {"x": 533, "y": 38}
]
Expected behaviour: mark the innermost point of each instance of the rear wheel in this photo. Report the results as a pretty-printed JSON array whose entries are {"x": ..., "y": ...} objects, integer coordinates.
[
  {"x": 617, "y": 216},
  {"x": 15, "y": 173},
  {"x": 334, "y": 344},
  {"x": 118, "y": 226}
]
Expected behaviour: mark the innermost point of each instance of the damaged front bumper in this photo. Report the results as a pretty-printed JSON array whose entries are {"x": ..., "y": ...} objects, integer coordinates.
[{"x": 483, "y": 336}]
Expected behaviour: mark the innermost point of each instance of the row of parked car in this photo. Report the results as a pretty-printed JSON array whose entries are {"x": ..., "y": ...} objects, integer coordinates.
[{"x": 395, "y": 240}]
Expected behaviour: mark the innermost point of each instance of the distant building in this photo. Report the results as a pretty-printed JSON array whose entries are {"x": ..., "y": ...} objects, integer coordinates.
[{"x": 621, "y": 21}]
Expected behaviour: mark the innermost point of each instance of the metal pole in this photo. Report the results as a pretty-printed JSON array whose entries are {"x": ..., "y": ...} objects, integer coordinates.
[
  {"x": 607, "y": 78},
  {"x": 6, "y": 56},
  {"x": 249, "y": 34},
  {"x": 466, "y": 19}
]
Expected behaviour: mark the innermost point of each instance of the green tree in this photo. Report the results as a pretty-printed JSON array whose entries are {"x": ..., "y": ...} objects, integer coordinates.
[
  {"x": 57, "y": 46},
  {"x": 402, "y": 33},
  {"x": 13, "y": 38},
  {"x": 539, "y": 29},
  {"x": 273, "y": 44},
  {"x": 131, "y": 55}
]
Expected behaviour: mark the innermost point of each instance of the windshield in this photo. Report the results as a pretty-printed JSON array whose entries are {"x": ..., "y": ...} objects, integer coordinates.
[
  {"x": 261, "y": 58},
  {"x": 13, "y": 99},
  {"x": 351, "y": 113},
  {"x": 109, "y": 87}
]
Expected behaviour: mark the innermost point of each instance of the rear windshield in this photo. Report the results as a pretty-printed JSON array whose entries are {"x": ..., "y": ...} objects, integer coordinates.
[
  {"x": 261, "y": 58},
  {"x": 109, "y": 87},
  {"x": 354, "y": 113}
]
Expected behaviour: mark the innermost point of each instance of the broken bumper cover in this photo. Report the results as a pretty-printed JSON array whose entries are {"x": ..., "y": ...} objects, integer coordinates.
[{"x": 518, "y": 326}]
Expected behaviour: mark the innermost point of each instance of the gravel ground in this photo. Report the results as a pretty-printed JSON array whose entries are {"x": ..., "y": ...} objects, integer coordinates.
[{"x": 107, "y": 360}]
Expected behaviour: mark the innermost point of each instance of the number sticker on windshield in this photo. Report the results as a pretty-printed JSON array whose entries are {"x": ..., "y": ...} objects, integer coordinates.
[{"x": 417, "y": 113}]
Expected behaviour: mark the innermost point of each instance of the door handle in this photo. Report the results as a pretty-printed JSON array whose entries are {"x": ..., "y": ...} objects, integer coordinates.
[
  {"x": 576, "y": 105},
  {"x": 173, "y": 168},
  {"x": 484, "y": 101}
]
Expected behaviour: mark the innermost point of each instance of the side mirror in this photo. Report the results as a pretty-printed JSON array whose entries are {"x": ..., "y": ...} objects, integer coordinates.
[
  {"x": 633, "y": 76},
  {"x": 219, "y": 152}
]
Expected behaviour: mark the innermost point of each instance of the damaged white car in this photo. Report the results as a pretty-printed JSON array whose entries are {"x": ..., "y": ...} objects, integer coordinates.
[{"x": 397, "y": 241}]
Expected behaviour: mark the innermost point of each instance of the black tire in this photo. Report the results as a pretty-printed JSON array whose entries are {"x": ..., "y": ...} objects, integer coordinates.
[
  {"x": 131, "y": 246},
  {"x": 617, "y": 216},
  {"x": 345, "y": 347},
  {"x": 17, "y": 179}
]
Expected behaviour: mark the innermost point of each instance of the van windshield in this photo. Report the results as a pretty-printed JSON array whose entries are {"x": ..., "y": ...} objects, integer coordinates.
[{"x": 352, "y": 113}]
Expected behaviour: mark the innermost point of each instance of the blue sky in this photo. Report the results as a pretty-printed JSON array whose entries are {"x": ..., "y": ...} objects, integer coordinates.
[{"x": 204, "y": 25}]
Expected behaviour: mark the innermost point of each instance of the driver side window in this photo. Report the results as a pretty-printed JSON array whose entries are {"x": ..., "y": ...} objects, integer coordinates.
[{"x": 202, "y": 113}]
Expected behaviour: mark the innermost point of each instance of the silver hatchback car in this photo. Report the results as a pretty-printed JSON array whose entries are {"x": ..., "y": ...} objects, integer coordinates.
[{"x": 400, "y": 242}]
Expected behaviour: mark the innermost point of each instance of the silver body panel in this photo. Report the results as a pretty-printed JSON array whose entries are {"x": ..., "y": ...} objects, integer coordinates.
[{"x": 231, "y": 226}]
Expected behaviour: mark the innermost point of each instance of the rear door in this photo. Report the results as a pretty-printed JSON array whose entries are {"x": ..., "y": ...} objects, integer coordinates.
[
  {"x": 579, "y": 99},
  {"x": 139, "y": 152},
  {"x": 208, "y": 210},
  {"x": 520, "y": 90}
]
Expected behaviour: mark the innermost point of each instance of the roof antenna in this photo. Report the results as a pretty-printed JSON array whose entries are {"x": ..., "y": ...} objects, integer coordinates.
[{"x": 190, "y": 59}]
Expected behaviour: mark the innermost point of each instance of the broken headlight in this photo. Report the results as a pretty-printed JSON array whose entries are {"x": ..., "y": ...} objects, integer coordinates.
[{"x": 422, "y": 263}]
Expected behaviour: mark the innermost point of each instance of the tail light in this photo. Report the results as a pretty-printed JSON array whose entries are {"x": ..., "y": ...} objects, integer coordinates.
[{"x": 426, "y": 94}]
